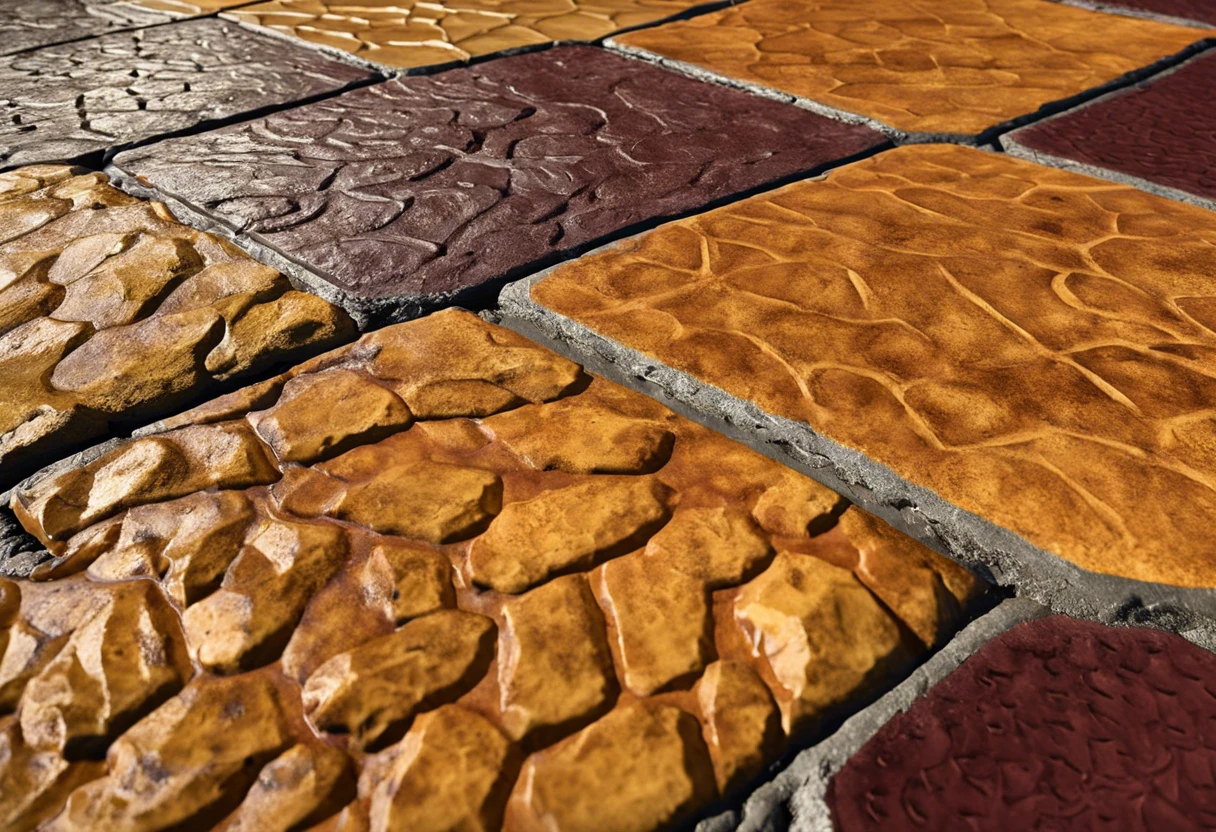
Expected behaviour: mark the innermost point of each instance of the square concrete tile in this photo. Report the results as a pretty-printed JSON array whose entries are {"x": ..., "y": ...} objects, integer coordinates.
[
  {"x": 401, "y": 196},
  {"x": 495, "y": 587},
  {"x": 113, "y": 314},
  {"x": 82, "y": 99},
  {"x": 952, "y": 68},
  {"x": 409, "y": 34},
  {"x": 1158, "y": 135},
  {"x": 1035, "y": 347}
]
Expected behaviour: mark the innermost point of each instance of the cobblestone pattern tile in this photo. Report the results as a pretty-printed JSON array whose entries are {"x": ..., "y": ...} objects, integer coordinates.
[
  {"x": 1034, "y": 346},
  {"x": 503, "y": 593},
  {"x": 64, "y": 102},
  {"x": 422, "y": 187},
  {"x": 112, "y": 312},
  {"x": 1153, "y": 135},
  {"x": 414, "y": 34},
  {"x": 955, "y": 67},
  {"x": 1058, "y": 723},
  {"x": 32, "y": 23}
]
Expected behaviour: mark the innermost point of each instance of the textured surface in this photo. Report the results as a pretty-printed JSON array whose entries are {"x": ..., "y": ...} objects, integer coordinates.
[
  {"x": 423, "y": 186},
  {"x": 1057, "y": 724},
  {"x": 31, "y": 23},
  {"x": 1154, "y": 132},
  {"x": 63, "y": 102},
  {"x": 189, "y": 7},
  {"x": 413, "y": 34},
  {"x": 113, "y": 312},
  {"x": 1034, "y": 346},
  {"x": 957, "y": 66},
  {"x": 354, "y": 590}
]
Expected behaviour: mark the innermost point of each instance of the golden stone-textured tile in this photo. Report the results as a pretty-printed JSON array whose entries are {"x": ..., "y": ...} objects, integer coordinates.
[
  {"x": 411, "y": 33},
  {"x": 952, "y": 66},
  {"x": 1035, "y": 346},
  {"x": 112, "y": 312},
  {"x": 550, "y": 605}
]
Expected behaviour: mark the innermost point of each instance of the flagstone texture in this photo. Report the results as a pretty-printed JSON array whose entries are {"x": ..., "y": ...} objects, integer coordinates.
[
  {"x": 1057, "y": 724},
  {"x": 948, "y": 67},
  {"x": 439, "y": 579},
  {"x": 31, "y": 23},
  {"x": 112, "y": 312},
  {"x": 411, "y": 34},
  {"x": 1158, "y": 134},
  {"x": 1035, "y": 346},
  {"x": 426, "y": 186},
  {"x": 66, "y": 101}
]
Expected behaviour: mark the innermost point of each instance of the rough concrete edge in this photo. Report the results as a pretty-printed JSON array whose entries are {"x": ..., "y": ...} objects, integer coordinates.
[
  {"x": 987, "y": 135},
  {"x": 368, "y": 313},
  {"x": 1125, "y": 11},
  {"x": 798, "y": 793},
  {"x": 1012, "y": 145},
  {"x": 392, "y": 71},
  {"x": 997, "y": 554}
]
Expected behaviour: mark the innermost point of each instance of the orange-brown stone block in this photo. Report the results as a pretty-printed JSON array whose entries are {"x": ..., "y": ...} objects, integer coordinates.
[
  {"x": 411, "y": 33},
  {"x": 1035, "y": 346},
  {"x": 954, "y": 66},
  {"x": 501, "y": 594},
  {"x": 112, "y": 312}
]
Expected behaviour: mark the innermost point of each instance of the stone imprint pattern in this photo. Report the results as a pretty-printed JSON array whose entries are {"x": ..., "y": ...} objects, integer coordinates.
[
  {"x": 1156, "y": 132},
  {"x": 430, "y": 185},
  {"x": 1057, "y": 724},
  {"x": 66, "y": 101},
  {"x": 32, "y": 23},
  {"x": 948, "y": 67},
  {"x": 113, "y": 312},
  {"x": 1035, "y": 346},
  {"x": 502, "y": 592},
  {"x": 411, "y": 34}
]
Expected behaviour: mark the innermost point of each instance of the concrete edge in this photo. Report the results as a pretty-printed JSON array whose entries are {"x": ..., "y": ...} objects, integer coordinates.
[
  {"x": 796, "y": 797},
  {"x": 995, "y": 553}
]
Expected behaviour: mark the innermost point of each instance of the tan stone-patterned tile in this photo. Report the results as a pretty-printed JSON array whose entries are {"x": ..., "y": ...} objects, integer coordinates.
[
  {"x": 541, "y": 600},
  {"x": 112, "y": 312},
  {"x": 952, "y": 66},
  {"x": 1035, "y": 346},
  {"x": 411, "y": 33}
]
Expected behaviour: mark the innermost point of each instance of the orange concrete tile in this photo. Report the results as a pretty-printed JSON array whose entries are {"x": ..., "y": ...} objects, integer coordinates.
[
  {"x": 951, "y": 66},
  {"x": 478, "y": 606},
  {"x": 413, "y": 34},
  {"x": 1035, "y": 346}
]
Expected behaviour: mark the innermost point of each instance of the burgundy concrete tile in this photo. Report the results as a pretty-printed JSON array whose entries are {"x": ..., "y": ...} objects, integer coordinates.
[
  {"x": 1057, "y": 724},
  {"x": 1158, "y": 135}
]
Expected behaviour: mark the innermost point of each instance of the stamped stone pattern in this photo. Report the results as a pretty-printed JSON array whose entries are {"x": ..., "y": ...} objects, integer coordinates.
[
  {"x": 413, "y": 33},
  {"x": 64, "y": 102},
  {"x": 32, "y": 23},
  {"x": 1035, "y": 346},
  {"x": 1153, "y": 133},
  {"x": 485, "y": 608},
  {"x": 426, "y": 186},
  {"x": 954, "y": 67},
  {"x": 1057, "y": 724},
  {"x": 112, "y": 312}
]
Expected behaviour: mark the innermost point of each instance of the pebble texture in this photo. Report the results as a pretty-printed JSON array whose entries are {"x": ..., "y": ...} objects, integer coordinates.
[
  {"x": 958, "y": 67},
  {"x": 29, "y": 24},
  {"x": 414, "y": 34},
  {"x": 511, "y": 596},
  {"x": 1034, "y": 346},
  {"x": 1153, "y": 132},
  {"x": 65, "y": 102},
  {"x": 112, "y": 312},
  {"x": 1058, "y": 724},
  {"x": 425, "y": 186}
]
